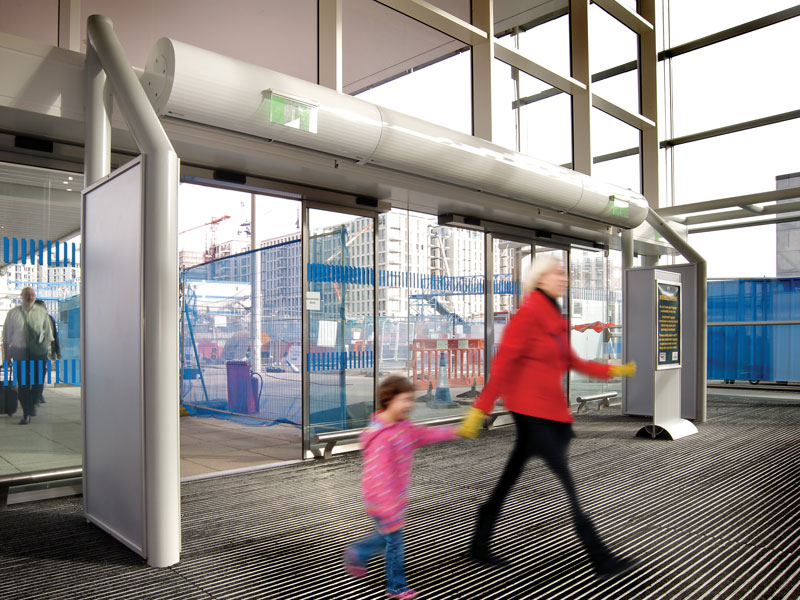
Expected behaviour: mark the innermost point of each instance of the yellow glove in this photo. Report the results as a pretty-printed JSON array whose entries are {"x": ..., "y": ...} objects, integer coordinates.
[
  {"x": 626, "y": 370},
  {"x": 472, "y": 423}
]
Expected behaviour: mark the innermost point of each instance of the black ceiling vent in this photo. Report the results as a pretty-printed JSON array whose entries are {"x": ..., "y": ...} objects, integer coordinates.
[
  {"x": 29, "y": 143},
  {"x": 230, "y": 177}
]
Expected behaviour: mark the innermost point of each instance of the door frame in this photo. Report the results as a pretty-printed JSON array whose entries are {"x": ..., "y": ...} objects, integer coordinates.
[{"x": 305, "y": 237}]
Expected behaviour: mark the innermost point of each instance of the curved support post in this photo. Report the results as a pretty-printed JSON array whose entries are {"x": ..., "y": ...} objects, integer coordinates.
[{"x": 106, "y": 58}]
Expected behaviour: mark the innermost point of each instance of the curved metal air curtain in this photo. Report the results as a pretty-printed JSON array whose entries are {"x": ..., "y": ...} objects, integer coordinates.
[{"x": 200, "y": 86}]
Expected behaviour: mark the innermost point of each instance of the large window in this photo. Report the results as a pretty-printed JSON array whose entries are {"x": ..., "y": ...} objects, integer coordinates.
[{"x": 40, "y": 376}]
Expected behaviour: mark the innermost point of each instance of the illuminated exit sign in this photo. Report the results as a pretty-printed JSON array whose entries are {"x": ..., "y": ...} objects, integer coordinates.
[{"x": 290, "y": 111}]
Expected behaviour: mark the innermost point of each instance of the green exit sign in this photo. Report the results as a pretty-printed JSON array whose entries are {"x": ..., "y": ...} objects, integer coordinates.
[
  {"x": 619, "y": 207},
  {"x": 290, "y": 111}
]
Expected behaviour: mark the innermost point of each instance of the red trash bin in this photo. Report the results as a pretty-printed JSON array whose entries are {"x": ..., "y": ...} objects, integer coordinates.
[{"x": 242, "y": 388}]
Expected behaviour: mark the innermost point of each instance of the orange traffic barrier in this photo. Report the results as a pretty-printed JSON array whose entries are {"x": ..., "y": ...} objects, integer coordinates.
[{"x": 464, "y": 361}]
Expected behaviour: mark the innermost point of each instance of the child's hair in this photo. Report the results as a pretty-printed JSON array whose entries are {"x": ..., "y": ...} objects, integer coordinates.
[{"x": 392, "y": 386}]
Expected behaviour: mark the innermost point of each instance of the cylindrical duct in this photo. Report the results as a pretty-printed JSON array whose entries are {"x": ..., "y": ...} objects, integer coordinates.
[{"x": 200, "y": 86}]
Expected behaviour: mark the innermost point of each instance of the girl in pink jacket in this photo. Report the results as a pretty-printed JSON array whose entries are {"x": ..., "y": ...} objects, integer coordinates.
[{"x": 387, "y": 447}]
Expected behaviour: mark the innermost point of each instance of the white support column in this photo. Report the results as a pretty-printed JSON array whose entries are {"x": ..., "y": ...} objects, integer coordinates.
[
  {"x": 255, "y": 290},
  {"x": 581, "y": 99},
  {"x": 648, "y": 103},
  {"x": 482, "y": 62},
  {"x": 329, "y": 44},
  {"x": 97, "y": 126},
  {"x": 161, "y": 476},
  {"x": 69, "y": 24}
]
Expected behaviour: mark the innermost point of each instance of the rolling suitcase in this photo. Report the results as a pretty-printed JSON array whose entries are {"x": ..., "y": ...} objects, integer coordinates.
[{"x": 10, "y": 400}]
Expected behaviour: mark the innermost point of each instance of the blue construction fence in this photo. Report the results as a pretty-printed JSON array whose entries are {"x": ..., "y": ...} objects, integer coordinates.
[
  {"x": 763, "y": 352},
  {"x": 233, "y": 367}
]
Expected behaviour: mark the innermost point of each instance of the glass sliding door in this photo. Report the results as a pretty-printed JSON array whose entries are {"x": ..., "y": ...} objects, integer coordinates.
[
  {"x": 596, "y": 303},
  {"x": 40, "y": 270},
  {"x": 241, "y": 332},
  {"x": 340, "y": 315}
]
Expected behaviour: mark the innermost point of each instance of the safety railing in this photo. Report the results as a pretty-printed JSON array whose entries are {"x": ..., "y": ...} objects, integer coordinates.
[
  {"x": 330, "y": 439},
  {"x": 45, "y": 476}
]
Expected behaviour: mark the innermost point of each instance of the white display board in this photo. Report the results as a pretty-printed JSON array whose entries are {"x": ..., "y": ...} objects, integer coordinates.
[{"x": 113, "y": 415}]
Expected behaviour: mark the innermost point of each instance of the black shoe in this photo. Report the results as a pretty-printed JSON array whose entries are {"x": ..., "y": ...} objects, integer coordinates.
[
  {"x": 25, "y": 420},
  {"x": 612, "y": 567},
  {"x": 41, "y": 401},
  {"x": 485, "y": 557}
]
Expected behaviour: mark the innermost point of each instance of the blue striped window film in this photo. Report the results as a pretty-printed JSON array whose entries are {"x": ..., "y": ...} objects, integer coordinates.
[
  {"x": 33, "y": 372},
  {"x": 46, "y": 253}
]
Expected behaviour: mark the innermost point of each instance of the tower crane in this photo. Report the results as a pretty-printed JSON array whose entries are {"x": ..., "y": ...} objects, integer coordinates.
[{"x": 211, "y": 250}]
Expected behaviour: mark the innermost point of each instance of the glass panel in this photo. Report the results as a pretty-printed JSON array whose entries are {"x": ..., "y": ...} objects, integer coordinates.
[
  {"x": 240, "y": 330},
  {"x": 429, "y": 76},
  {"x": 511, "y": 259},
  {"x": 609, "y": 134},
  {"x": 446, "y": 308},
  {"x": 746, "y": 252},
  {"x": 40, "y": 285},
  {"x": 690, "y": 19},
  {"x": 504, "y": 115},
  {"x": 548, "y": 44},
  {"x": 738, "y": 163},
  {"x": 714, "y": 86},
  {"x": 610, "y": 42},
  {"x": 622, "y": 90},
  {"x": 562, "y": 255},
  {"x": 624, "y": 172},
  {"x": 545, "y": 121},
  {"x": 596, "y": 333},
  {"x": 439, "y": 93},
  {"x": 342, "y": 325}
]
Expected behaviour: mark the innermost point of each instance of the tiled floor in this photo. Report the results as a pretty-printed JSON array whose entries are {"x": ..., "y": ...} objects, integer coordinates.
[{"x": 54, "y": 438}]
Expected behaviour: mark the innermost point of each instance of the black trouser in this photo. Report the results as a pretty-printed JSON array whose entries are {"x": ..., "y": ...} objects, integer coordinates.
[
  {"x": 550, "y": 440},
  {"x": 31, "y": 391}
]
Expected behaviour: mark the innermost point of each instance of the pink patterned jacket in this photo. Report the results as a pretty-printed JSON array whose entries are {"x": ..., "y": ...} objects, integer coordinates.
[{"x": 388, "y": 450}]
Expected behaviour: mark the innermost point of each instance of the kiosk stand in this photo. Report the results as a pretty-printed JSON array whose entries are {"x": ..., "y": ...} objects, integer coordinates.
[{"x": 655, "y": 303}]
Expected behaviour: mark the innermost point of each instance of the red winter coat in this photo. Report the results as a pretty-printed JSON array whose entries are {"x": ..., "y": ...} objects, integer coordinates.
[{"x": 529, "y": 368}]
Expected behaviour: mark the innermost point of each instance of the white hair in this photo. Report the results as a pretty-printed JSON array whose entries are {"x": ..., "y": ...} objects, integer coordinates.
[{"x": 541, "y": 266}]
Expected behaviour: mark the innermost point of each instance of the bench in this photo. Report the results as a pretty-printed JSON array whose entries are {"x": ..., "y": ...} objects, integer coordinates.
[
  {"x": 6, "y": 481},
  {"x": 331, "y": 438},
  {"x": 603, "y": 398}
]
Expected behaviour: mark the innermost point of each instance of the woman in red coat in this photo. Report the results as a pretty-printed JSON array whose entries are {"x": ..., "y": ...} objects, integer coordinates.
[{"x": 527, "y": 373}]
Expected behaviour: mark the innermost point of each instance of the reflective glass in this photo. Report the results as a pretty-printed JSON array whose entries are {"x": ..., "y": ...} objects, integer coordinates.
[
  {"x": 440, "y": 93},
  {"x": 690, "y": 20},
  {"x": 40, "y": 376},
  {"x": 735, "y": 253},
  {"x": 430, "y": 310},
  {"x": 241, "y": 387},
  {"x": 610, "y": 42},
  {"x": 744, "y": 78},
  {"x": 624, "y": 172},
  {"x": 735, "y": 164},
  {"x": 341, "y": 320},
  {"x": 596, "y": 312},
  {"x": 546, "y": 123},
  {"x": 548, "y": 44},
  {"x": 428, "y": 75},
  {"x": 622, "y": 90},
  {"x": 504, "y": 114},
  {"x": 511, "y": 259}
]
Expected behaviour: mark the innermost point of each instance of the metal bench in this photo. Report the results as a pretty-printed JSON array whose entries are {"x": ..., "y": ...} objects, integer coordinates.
[
  {"x": 6, "y": 481},
  {"x": 603, "y": 398},
  {"x": 331, "y": 438}
]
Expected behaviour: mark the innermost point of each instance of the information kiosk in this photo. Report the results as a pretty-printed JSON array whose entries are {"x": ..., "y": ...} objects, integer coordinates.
[{"x": 654, "y": 324}]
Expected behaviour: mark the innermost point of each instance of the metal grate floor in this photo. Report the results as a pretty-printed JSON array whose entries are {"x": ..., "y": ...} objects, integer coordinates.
[{"x": 712, "y": 516}]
